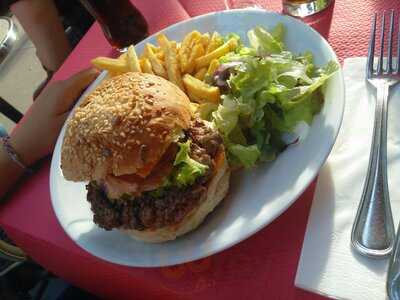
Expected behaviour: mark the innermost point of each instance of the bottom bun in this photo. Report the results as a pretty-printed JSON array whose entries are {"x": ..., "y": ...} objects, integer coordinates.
[{"x": 216, "y": 191}]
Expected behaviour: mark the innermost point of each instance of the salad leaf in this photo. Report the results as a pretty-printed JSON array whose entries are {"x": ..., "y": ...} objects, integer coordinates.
[
  {"x": 205, "y": 110},
  {"x": 264, "y": 42},
  {"x": 270, "y": 91},
  {"x": 251, "y": 77},
  {"x": 237, "y": 136},
  {"x": 187, "y": 169},
  {"x": 247, "y": 155},
  {"x": 278, "y": 32},
  {"x": 185, "y": 172},
  {"x": 307, "y": 60},
  {"x": 298, "y": 95},
  {"x": 291, "y": 78},
  {"x": 226, "y": 117},
  {"x": 241, "y": 55}
]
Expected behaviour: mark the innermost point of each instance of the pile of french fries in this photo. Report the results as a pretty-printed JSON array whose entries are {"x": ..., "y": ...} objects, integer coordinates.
[{"x": 187, "y": 64}]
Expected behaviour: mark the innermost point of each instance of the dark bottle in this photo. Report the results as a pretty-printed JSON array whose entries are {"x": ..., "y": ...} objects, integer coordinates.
[{"x": 122, "y": 23}]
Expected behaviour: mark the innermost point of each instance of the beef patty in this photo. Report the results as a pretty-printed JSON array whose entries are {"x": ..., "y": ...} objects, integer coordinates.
[{"x": 150, "y": 211}]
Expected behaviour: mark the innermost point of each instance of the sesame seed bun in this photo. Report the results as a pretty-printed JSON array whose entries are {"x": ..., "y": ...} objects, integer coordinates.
[
  {"x": 217, "y": 189},
  {"x": 123, "y": 127}
]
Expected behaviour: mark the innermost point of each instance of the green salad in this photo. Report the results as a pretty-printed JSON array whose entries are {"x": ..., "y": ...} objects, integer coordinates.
[{"x": 266, "y": 92}]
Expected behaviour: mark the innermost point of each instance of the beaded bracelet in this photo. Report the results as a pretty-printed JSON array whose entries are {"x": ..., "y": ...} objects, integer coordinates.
[{"x": 13, "y": 154}]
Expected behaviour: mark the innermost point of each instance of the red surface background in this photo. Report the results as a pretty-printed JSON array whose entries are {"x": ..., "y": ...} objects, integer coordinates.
[{"x": 262, "y": 267}]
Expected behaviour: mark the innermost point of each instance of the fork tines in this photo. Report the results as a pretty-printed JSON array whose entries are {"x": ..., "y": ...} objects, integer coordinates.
[{"x": 389, "y": 69}]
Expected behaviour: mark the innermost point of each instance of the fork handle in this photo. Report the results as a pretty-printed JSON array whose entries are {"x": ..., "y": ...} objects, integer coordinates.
[
  {"x": 373, "y": 230},
  {"x": 393, "y": 276}
]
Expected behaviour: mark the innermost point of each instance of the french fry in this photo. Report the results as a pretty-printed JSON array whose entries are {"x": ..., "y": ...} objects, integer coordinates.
[
  {"x": 205, "y": 60},
  {"x": 156, "y": 64},
  {"x": 164, "y": 43},
  {"x": 160, "y": 55},
  {"x": 197, "y": 39},
  {"x": 132, "y": 60},
  {"x": 200, "y": 91},
  {"x": 154, "y": 48},
  {"x": 214, "y": 64},
  {"x": 205, "y": 40},
  {"x": 200, "y": 74},
  {"x": 146, "y": 66},
  {"x": 113, "y": 74},
  {"x": 197, "y": 51},
  {"x": 187, "y": 40},
  {"x": 215, "y": 42},
  {"x": 110, "y": 64},
  {"x": 141, "y": 62},
  {"x": 171, "y": 60},
  {"x": 186, "y": 48},
  {"x": 122, "y": 57}
]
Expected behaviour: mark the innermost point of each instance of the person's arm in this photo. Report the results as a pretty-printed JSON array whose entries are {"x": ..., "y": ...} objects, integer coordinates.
[
  {"x": 41, "y": 22},
  {"x": 36, "y": 134}
]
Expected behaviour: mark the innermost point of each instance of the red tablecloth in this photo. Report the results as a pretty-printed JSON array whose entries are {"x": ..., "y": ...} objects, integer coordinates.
[{"x": 262, "y": 267}]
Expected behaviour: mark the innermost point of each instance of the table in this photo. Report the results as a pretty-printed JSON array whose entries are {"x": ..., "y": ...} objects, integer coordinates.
[{"x": 261, "y": 267}]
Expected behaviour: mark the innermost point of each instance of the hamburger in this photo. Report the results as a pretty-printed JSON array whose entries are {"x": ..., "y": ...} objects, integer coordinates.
[{"x": 154, "y": 170}]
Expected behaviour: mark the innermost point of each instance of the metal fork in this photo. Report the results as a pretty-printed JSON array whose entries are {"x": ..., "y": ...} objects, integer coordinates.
[
  {"x": 373, "y": 230},
  {"x": 393, "y": 275}
]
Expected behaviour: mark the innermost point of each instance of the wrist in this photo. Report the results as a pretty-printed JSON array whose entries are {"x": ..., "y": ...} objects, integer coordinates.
[
  {"x": 26, "y": 155},
  {"x": 10, "y": 171},
  {"x": 7, "y": 163}
]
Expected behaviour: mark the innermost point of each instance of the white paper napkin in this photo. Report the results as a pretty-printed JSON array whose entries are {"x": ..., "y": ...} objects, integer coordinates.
[{"x": 328, "y": 265}]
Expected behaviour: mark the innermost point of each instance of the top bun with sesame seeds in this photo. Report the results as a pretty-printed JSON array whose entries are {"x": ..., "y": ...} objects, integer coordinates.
[{"x": 123, "y": 127}]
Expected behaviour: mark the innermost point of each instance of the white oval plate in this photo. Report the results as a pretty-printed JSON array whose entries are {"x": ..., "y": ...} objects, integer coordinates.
[{"x": 256, "y": 197}]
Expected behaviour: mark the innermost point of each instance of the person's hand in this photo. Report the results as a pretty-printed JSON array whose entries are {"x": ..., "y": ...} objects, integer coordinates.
[{"x": 37, "y": 132}]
